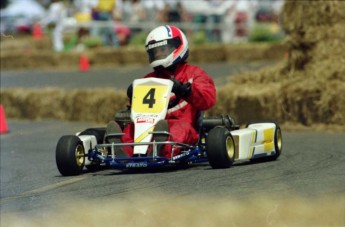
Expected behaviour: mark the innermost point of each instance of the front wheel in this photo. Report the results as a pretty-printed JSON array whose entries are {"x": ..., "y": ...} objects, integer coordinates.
[
  {"x": 220, "y": 148},
  {"x": 70, "y": 155}
]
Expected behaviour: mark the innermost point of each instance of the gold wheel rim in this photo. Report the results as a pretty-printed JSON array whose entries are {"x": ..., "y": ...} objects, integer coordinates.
[
  {"x": 230, "y": 148},
  {"x": 79, "y": 155}
]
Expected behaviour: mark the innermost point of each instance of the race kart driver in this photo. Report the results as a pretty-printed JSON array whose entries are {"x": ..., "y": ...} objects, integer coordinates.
[{"x": 167, "y": 49}]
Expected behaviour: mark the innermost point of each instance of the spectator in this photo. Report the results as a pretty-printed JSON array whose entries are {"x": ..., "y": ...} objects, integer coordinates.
[
  {"x": 83, "y": 15},
  {"x": 213, "y": 20},
  {"x": 56, "y": 15},
  {"x": 123, "y": 32},
  {"x": 138, "y": 13},
  {"x": 154, "y": 9},
  {"x": 228, "y": 33},
  {"x": 104, "y": 12}
]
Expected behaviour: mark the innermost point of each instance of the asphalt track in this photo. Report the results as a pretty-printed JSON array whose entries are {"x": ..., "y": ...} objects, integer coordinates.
[
  {"x": 311, "y": 165},
  {"x": 118, "y": 78}
]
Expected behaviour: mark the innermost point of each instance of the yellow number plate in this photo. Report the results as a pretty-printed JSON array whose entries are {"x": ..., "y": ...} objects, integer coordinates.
[{"x": 150, "y": 98}]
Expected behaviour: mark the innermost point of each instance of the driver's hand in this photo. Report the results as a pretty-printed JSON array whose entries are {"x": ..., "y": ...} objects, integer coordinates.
[
  {"x": 129, "y": 95},
  {"x": 181, "y": 90}
]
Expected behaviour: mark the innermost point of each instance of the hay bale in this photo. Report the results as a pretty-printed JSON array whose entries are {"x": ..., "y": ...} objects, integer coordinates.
[
  {"x": 97, "y": 105},
  {"x": 308, "y": 87},
  {"x": 207, "y": 53},
  {"x": 299, "y": 16},
  {"x": 308, "y": 23},
  {"x": 33, "y": 104},
  {"x": 106, "y": 57},
  {"x": 257, "y": 52},
  {"x": 251, "y": 102},
  {"x": 134, "y": 56}
]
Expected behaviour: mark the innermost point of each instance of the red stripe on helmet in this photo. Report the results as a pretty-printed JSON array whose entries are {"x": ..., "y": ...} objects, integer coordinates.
[{"x": 176, "y": 33}]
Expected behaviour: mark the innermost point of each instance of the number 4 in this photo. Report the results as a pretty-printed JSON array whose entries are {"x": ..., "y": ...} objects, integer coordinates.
[{"x": 149, "y": 98}]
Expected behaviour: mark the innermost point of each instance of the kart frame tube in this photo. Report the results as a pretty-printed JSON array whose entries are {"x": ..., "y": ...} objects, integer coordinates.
[{"x": 194, "y": 154}]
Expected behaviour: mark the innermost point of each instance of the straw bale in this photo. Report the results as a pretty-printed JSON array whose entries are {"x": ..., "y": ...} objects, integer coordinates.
[
  {"x": 245, "y": 52},
  {"x": 134, "y": 56},
  {"x": 308, "y": 23},
  {"x": 9, "y": 43},
  {"x": 252, "y": 101},
  {"x": 208, "y": 53},
  {"x": 329, "y": 49},
  {"x": 314, "y": 101},
  {"x": 297, "y": 16},
  {"x": 33, "y": 103},
  {"x": 266, "y": 75},
  {"x": 97, "y": 105},
  {"x": 293, "y": 100}
]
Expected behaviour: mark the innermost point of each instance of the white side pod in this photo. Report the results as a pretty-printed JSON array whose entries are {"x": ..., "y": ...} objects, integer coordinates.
[
  {"x": 255, "y": 141},
  {"x": 89, "y": 141}
]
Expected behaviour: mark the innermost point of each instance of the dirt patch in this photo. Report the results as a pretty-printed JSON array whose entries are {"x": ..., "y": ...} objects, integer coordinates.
[{"x": 169, "y": 210}]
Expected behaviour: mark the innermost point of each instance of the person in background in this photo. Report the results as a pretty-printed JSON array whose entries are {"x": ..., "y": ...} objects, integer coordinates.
[
  {"x": 193, "y": 90},
  {"x": 134, "y": 12},
  {"x": 123, "y": 32},
  {"x": 83, "y": 14},
  {"x": 56, "y": 15},
  {"x": 104, "y": 12}
]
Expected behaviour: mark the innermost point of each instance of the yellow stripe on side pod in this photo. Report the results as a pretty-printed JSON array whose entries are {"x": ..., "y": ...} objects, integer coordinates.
[
  {"x": 143, "y": 135},
  {"x": 268, "y": 139},
  {"x": 252, "y": 147}
]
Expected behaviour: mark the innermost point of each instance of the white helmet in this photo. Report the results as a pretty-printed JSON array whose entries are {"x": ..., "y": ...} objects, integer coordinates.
[{"x": 166, "y": 46}]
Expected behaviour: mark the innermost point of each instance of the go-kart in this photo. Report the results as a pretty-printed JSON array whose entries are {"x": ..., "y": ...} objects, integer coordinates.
[{"x": 221, "y": 142}]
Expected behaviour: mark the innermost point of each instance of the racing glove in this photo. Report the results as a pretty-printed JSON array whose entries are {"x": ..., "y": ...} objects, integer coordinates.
[
  {"x": 181, "y": 90},
  {"x": 130, "y": 91},
  {"x": 129, "y": 95}
]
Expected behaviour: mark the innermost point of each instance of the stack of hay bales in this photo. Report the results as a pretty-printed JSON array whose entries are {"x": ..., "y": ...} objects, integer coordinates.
[
  {"x": 96, "y": 105},
  {"x": 309, "y": 86}
]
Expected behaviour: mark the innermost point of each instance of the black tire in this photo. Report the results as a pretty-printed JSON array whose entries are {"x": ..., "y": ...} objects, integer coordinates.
[
  {"x": 70, "y": 155},
  {"x": 97, "y": 132},
  {"x": 278, "y": 143},
  {"x": 220, "y": 148},
  {"x": 278, "y": 140}
]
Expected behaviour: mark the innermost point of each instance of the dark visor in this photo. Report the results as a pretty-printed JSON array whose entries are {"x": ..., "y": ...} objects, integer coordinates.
[{"x": 160, "y": 50}]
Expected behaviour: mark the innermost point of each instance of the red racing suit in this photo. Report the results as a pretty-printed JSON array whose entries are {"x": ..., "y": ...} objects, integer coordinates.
[{"x": 182, "y": 118}]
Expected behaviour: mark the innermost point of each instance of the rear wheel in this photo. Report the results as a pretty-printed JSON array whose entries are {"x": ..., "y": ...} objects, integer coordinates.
[
  {"x": 70, "y": 155},
  {"x": 220, "y": 148},
  {"x": 278, "y": 143}
]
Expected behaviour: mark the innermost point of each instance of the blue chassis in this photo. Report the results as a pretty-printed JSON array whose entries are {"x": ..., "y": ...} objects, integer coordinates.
[{"x": 194, "y": 154}]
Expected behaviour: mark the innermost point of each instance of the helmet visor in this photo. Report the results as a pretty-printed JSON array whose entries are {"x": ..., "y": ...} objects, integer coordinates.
[{"x": 162, "y": 49}]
